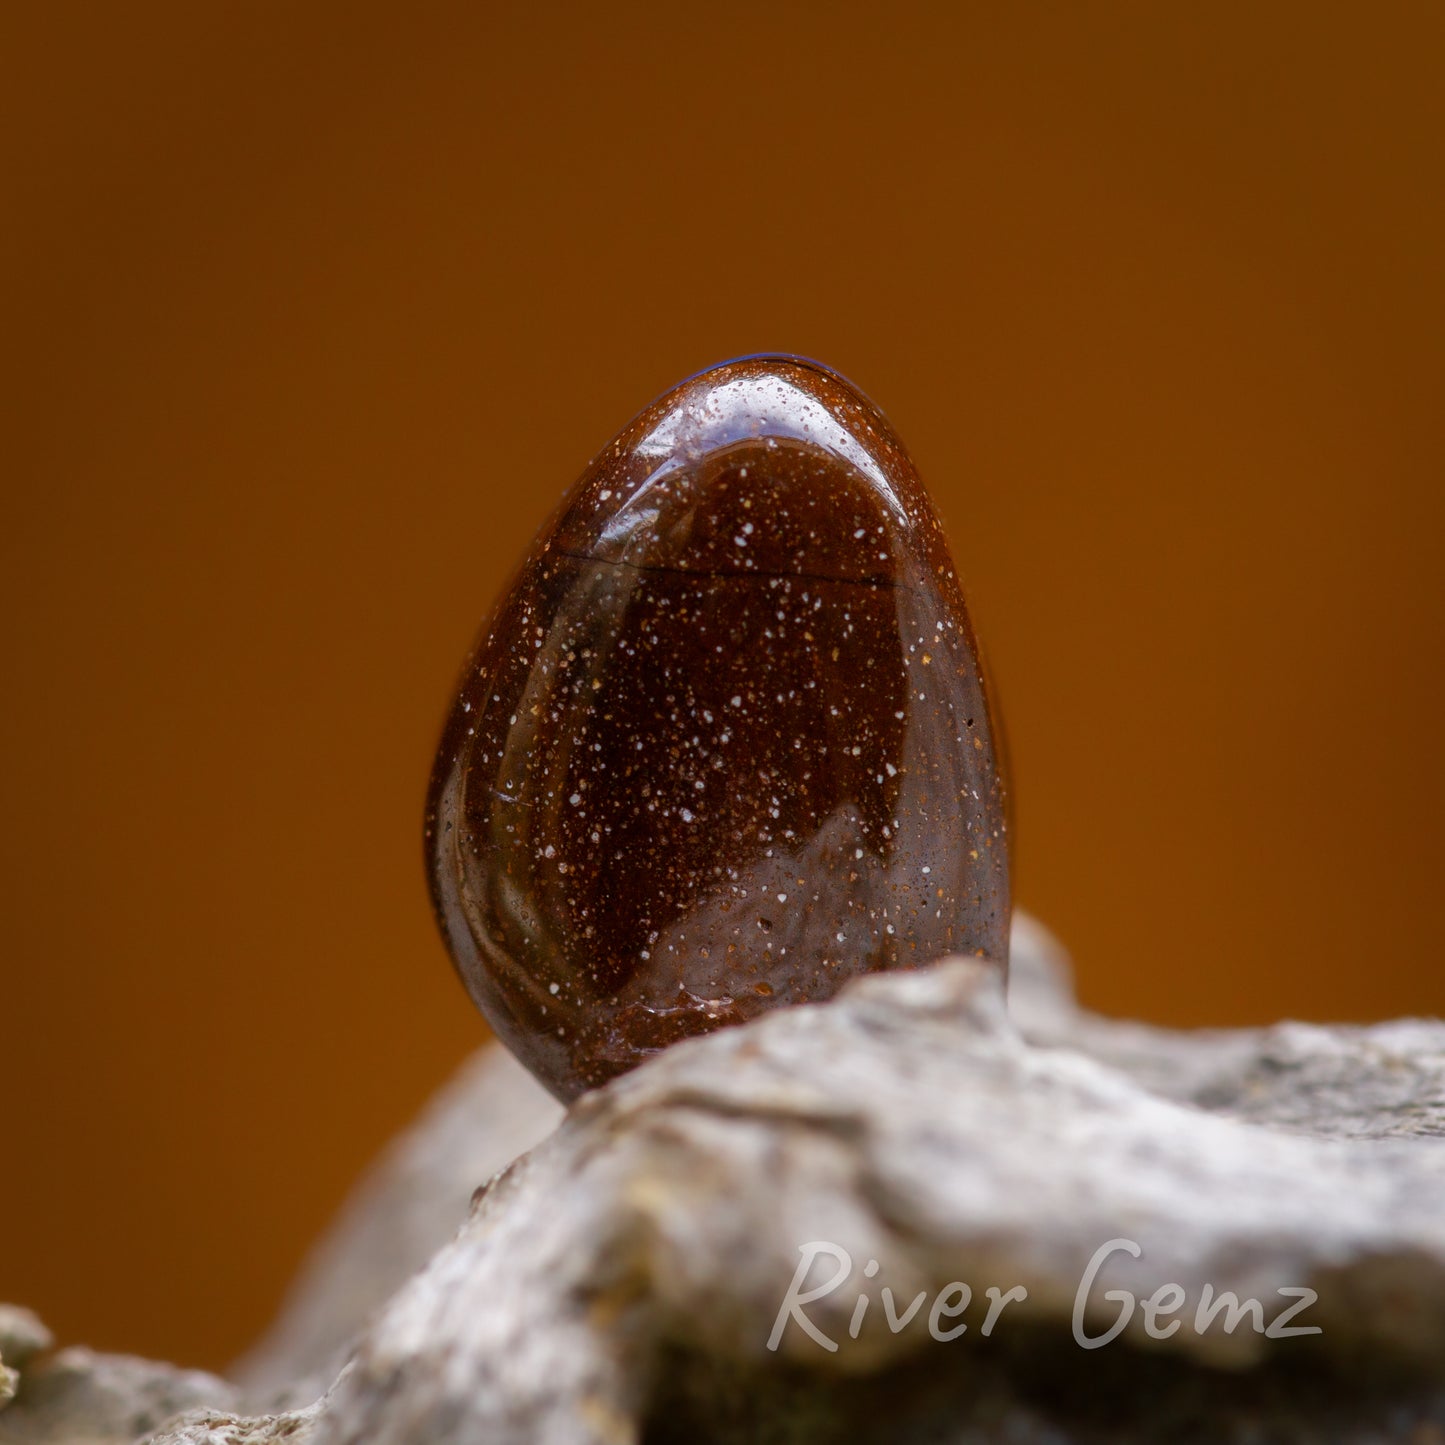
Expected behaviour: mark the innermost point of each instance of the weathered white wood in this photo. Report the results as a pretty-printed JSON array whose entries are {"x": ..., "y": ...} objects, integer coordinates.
[{"x": 625, "y": 1275}]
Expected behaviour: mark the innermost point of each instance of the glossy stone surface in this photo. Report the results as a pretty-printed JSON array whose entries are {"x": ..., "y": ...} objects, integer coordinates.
[{"x": 724, "y": 743}]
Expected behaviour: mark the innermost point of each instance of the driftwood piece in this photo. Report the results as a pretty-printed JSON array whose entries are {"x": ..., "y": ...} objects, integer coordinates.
[{"x": 627, "y": 1278}]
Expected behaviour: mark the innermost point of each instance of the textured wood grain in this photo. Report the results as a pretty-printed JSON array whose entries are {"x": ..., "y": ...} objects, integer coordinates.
[{"x": 620, "y": 1281}]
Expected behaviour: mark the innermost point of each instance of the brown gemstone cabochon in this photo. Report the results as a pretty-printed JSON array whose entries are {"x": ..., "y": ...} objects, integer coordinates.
[{"x": 724, "y": 743}]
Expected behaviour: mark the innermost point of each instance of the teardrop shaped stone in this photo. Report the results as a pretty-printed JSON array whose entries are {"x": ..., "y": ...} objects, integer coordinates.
[{"x": 724, "y": 743}]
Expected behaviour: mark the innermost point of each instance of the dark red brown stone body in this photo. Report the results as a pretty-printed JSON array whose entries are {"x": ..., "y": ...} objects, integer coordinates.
[{"x": 725, "y": 743}]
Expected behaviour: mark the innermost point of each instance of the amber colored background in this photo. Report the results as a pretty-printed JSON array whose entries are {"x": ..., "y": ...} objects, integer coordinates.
[{"x": 311, "y": 313}]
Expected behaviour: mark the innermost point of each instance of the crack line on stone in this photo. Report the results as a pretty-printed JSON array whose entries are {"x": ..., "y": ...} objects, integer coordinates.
[{"x": 876, "y": 583}]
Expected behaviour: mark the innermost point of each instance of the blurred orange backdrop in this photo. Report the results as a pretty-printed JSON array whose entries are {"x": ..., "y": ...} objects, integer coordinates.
[{"x": 312, "y": 312}]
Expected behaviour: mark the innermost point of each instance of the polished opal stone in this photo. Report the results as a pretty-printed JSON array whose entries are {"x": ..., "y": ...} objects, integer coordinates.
[{"x": 724, "y": 743}]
